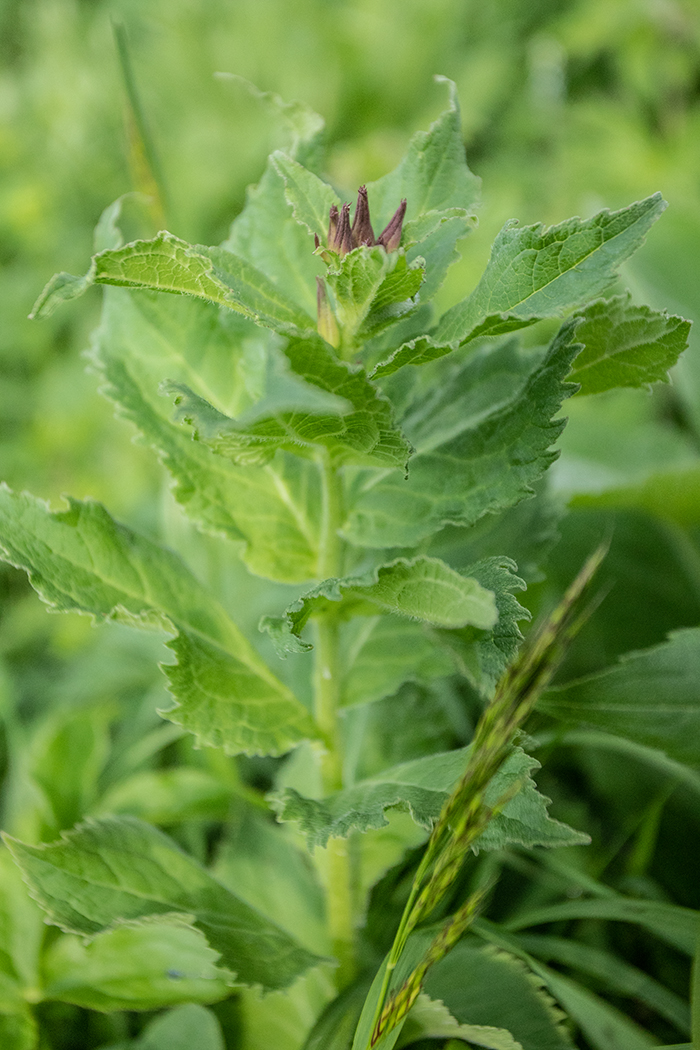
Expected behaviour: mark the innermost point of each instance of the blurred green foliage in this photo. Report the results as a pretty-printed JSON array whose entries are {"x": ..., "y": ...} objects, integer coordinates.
[{"x": 568, "y": 106}]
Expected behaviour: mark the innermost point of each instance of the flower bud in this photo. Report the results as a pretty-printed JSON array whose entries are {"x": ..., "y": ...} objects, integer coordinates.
[
  {"x": 390, "y": 237},
  {"x": 362, "y": 232}
]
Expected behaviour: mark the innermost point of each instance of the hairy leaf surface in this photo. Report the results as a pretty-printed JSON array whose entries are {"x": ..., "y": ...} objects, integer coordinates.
[
  {"x": 82, "y": 560},
  {"x": 626, "y": 345},
  {"x": 423, "y": 786},
  {"x": 535, "y": 272},
  {"x": 482, "y": 435},
  {"x": 115, "y": 870}
]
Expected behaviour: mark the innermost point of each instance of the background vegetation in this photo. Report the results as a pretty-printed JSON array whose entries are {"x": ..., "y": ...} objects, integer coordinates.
[{"x": 568, "y": 107}]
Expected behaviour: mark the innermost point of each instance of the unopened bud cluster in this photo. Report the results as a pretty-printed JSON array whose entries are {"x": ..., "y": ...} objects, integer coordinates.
[{"x": 343, "y": 237}]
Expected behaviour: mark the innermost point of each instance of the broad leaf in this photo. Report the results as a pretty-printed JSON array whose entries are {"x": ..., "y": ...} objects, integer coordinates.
[
  {"x": 430, "y": 1019},
  {"x": 135, "y": 968},
  {"x": 379, "y": 653},
  {"x": 275, "y": 510},
  {"x": 483, "y": 656},
  {"x": 181, "y": 1028},
  {"x": 311, "y": 199},
  {"x": 115, "y": 870},
  {"x": 168, "y": 264},
  {"x": 82, "y": 560},
  {"x": 433, "y": 175},
  {"x": 650, "y": 697},
  {"x": 167, "y": 796},
  {"x": 535, "y": 272},
  {"x": 361, "y": 430},
  {"x": 481, "y": 986},
  {"x": 626, "y": 345},
  {"x": 482, "y": 434},
  {"x": 423, "y": 786},
  {"x": 423, "y": 589}
]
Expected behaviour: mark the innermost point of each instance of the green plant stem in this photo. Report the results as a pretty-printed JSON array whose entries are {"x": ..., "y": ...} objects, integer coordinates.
[{"x": 339, "y": 894}]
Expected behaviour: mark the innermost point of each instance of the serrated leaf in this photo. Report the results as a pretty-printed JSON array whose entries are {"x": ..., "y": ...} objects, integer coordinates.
[
  {"x": 113, "y": 871},
  {"x": 618, "y": 976},
  {"x": 419, "y": 351},
  {"x": 433, "y": 175},
  {"x": 135, "y": 968},
  {"x": 430, "y": 1019},
  {"x": 365, "y": 433},
  {"x": 422, "y": 787},
  {"x": 482, "y": 436},
  {"x": 626, "y": 345},
  {"x": 483, "y": 656},
  {"x": 311, "y": 199},
  {"x": 82, "y": 560},
  {"x": 275, "y": 510},
  {"x": 650, "y": 697},
  {"x": 395, "y": 296},
  {"x": 423, "y": 588},
  {"x": 483, "y": 986},
  {"x": 168, "y": 264},
  {"x": 536, "y": 272}
]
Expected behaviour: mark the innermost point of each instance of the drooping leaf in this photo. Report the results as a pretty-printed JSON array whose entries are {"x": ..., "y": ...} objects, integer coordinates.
[
  {"x": 626, "y": 345},
  {"x": 168, "y": 264},
  {"x": 275, "y": 510},
  {"x": 423, "y": 588},
  {"x": 361, "y": 430},
  {"x": 651, "y": 697},
  {"x": 535, "y": 272},
  {"x": 423, "y": 786},
  {"x": 114, "y": 870},
  {"x": 82, "y": 560},
  {"x": 418, "y": 351},
  {"x": 483, "y": 655},
  {"x": 483, "y": 436},
  {"x": 135, "y": 968},
  {"x": 483, "y": 986}
]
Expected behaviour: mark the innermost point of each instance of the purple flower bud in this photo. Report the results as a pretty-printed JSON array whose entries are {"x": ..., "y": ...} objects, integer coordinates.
[
  {"x": 362, "y": 232},
  {"x": 343, "y": 236},
  {"x": 390, "y": 237}
]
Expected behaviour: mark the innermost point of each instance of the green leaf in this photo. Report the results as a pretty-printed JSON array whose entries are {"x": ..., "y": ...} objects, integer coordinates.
[
  {"x": 168, "y": 264},
  {"x": 311, "y": 199},
  {"x": 430, "y": 1019},
  {"x": 167, "y": 796},
  {"x": 616, "y": 974},
  {"x": 119, "y": 870},
  {"x": 626, "y": 345},
  {"x": 535, "y": 272},
  {"x": 182, "y": 1028},
  {"x": 483, "y": 656},
  {"x": 378, "y": 654},
  {"x": 482, "y": 434},
  {"x": 650, "y": 697},
  {"x": 18, "y": 1029},
  {"x": 424, "y": 589},
  {"x": 275, "y": 511},
  {"x": 21, "y": 928},
  {"x": 433, "y": 175},
  {"x": 135, "y": 968},
  {"x": 483, "y": 986},
  {"x": 82, "y": 560},
  {"x": 365, "y": 433},
  {"x": 422, "y": 787},
  {"x": 419, "y": 351},
  {"x": 674, "y": 925}
]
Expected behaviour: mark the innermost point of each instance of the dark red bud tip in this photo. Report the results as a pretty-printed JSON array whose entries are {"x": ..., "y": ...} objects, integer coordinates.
[
  {"x": 390, "y": 237},
  {"x": 317, "y": 243},
  {"x": 362, "y": 232},
  {"x": 343, "y": 235}
]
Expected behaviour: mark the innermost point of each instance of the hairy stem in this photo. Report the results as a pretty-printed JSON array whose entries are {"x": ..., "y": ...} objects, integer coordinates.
[{"x": 339, "y": 895}]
